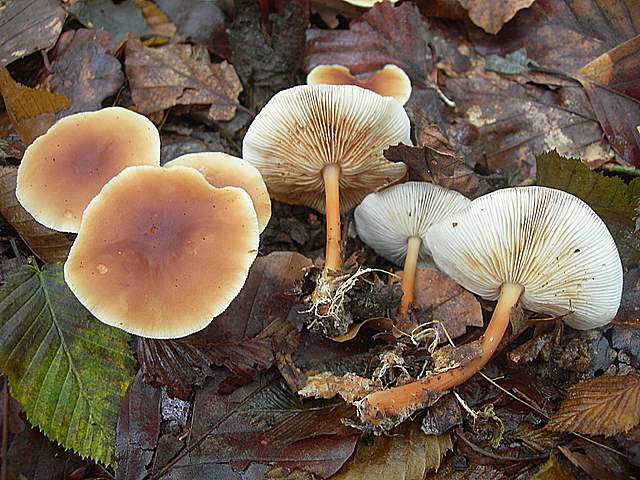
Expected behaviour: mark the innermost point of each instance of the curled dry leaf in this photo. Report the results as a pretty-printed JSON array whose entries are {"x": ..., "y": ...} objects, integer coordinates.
[
  {"x": 180, "y": 74},
  {"x": 449, "y": 357},
  {"x": 158, "y": 21},
  {"x": 349, "y": 386},
  {"x": 84, "y": 70},
  {"x": 491, "y": 15},
  {"x": 408, "y": 454},
  {"x": 27, "y": 26},
  {"x": 46, "y": 244},
  {"x": 605, "y": 405},
  {"x": 31, "y": 111}
]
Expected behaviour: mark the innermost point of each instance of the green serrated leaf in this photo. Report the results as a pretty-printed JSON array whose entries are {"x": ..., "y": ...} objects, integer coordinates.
[
  {"x": 68, "y": 370},
  {"x": 611, "y": 198}
]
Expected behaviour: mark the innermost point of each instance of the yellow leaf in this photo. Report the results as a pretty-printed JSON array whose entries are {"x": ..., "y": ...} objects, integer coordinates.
[
  {"x": 408, "y": 454},
  {"x": 606, "y": 405},
  {"x": 552, "y": 470},
  {"x": 31, "y": 111}
]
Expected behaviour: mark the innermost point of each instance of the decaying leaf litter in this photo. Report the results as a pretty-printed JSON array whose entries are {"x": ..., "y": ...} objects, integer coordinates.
[{"x": 503, "y": 94}]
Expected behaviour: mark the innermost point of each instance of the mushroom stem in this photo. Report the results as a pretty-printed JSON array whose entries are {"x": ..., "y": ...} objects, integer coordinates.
[
  {"x": 409, "y": 276},
  {"x": 405, "y": 399},
  {"x": 331, "y": 177}
]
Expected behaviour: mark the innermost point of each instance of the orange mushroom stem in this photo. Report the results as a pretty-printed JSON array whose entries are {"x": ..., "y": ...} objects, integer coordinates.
[
  {"x": 409, "y": 276},
  {"x": 331, "y": 177},
  {"x": 406, "y": 398}
]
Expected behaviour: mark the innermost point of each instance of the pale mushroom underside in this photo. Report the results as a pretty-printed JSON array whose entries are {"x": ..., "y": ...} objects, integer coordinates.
[
  {"x": 305, "y": 128},
  {"x": 546, "y": 240},
  {"x": 386, "y": 220}
]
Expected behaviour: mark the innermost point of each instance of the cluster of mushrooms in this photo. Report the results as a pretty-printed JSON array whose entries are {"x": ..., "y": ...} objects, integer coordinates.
[{"x": 161, "y": 251}]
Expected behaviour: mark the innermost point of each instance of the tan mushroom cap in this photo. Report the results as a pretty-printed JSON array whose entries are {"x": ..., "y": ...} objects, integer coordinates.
[
  {"x": 390, "y": 81},
  {"x": 65, "y": 168},
  {"x": 160, "y": 252},
  {"x": 222, "y": 170},
  {"x": 546, "y": 240},
  {"x": 366, "y": 3},
  {"x": 386, "y": 220},
  {"x": 303, "y": 129}
]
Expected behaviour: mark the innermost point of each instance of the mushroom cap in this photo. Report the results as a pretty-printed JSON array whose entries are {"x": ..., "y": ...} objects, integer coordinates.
[
  {"x": 65, "y": 168},
  {"x": 222, "y": 170},
  {"x": 390, "y": 81},
  {"x": 548, "y": 241},
  {"x": 366, "y": 3},
  {"x": 386, "y": 220},
  {"x": 305, "y": 128},
  {"x": 160, "y": 252}
]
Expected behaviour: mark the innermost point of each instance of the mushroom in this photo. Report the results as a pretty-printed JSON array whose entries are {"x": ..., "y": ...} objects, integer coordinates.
[
  {"x": 321, "y": 146},
  {"x": 366, "y": 3},
  {"x": 160, "y": 252},
  {"x": 535, "y": 245},
  {"x": 390, "y": 81},
  {"x": 222, "y": 170},
  {"x": 395, "y": 223},
  {"x": 65, "y": 168}
]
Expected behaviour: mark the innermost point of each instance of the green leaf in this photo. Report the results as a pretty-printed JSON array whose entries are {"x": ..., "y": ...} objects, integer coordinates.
[
  {"x": 67, "y": 369},
  {"x": 611, "y": 198}
]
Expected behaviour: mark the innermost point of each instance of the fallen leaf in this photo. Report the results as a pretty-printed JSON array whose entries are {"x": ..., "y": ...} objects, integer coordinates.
[
  {"x": 31, "y": 111},
  {"x": 552, "y": 470},
  {"x": 442, "y": 417},
  {"x": 473, "y": 472},
  {"x": 407, "y": 454},
  {"x": 605, "y": 405},
  {"x": 440, "y": 300},
  {"x": 529, "y": 350},
  {"x": 27, "y": 26},
  {"x": 119, "y": 19},
  {"x": 138, "y": 429},
  {"x": 629, "y": 311},
  {"x": 597, "y": 462},
  {"x": 68, "y": 370},
  {"x": 513, "y": 123},
  {"x": 243, "y": 339},
  {"x": 611, "y": 198},
  {"x": 449, "y": 356},
  {"x": 180, "y": 74},
  {"x": 46, "y": 244},
  {"x": 265, "y": 423},
  {"x": 491, "y": 15},
  {"x": 269, "y": 60},
  {"x": 537, "y": 439},
  {"x": 612, "y": 82},
  {"x": 158, "y": 21},
  {"x": 349, "y": 386},
  {"x": 84, "y": 70},
  {"x": 385, "y": 34}
]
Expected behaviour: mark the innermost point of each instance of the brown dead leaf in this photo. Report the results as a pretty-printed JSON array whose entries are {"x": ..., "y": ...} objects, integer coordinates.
[
  {"x": 350, "y": 387},
  {"x": 552, "y": 470},
  {"x": 629, "y": 311},
  {"x": 597, "y": 462},
  {"x": 27, "y": 26},
  {"x": 439, "y": 299},
  {"x": 46, "y": 244},
  {"x": 385, "y": 34},
  {"x": 409, "y": 454},
  {"x": 605, "y": 405},
  {"x": 442, "y": 417},
  {"x": 491, "y": 15},
  {"x": 473, "y": 472},
  {"x": 84, "y": 70},
  {"x": 180, "y": 74},
  {"x": 31, "y": 111}
]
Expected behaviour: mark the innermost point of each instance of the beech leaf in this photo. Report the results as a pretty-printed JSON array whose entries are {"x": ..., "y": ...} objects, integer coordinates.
[
  {"x": 30, "y": 110},
  {"x": 606, "y": 405},
  {"x": 180, "y": 74},
  {"x": 408, "y": 454},
  {"x": 68, "y": 370},
  {"x": 47, "y": 244},
  {"x": 491, "y": 15},
  {"x": 552, "y": 470}
]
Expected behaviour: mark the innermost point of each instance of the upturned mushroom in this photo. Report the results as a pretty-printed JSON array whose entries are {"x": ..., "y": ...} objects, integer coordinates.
[
  {"x": 160, "y": 252},
  {"x": 390, "y": 81},
  {"x": 321, "y": 146},
  {"x": 538, "y": 246},
  {"x": 222, "y": 170},
  {"x": 395, "y": 222},
  {"x": 65, "y": 168}
]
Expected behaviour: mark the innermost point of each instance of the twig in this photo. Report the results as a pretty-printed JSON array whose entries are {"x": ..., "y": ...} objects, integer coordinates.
[
  {"x": 504, "y": 458},
  {"x": 615, "y": 168}
]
